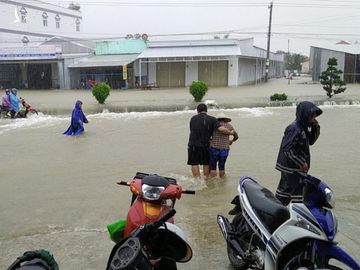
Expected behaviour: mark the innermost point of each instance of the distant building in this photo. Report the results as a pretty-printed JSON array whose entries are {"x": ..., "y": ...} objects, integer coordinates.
[
  {"x": 39, "y": 48},
  {"x": 305, "y": 66},
  {"x": 169, "y": 63},
  {"x": 30, "y": 56},
  {"x": 348, "y": 59},
  {"x": 30, "y": 22}
]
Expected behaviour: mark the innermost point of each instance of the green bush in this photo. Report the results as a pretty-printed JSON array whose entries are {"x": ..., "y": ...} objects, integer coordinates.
[
  {"x": 278, "y": 97},
  {"x": 198, "y": 90},
  {"x": 101, "y": 91}
]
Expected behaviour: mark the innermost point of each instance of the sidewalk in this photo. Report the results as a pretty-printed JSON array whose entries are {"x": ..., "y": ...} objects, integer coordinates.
[{"x": 300, "y": 88}]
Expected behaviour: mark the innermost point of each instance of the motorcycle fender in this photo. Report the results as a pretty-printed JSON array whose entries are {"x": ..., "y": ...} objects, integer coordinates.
[
  {"x": 225, "y": 228},
  {"x": 285, "y": 235},
  {"x": 330, "y": 250}
]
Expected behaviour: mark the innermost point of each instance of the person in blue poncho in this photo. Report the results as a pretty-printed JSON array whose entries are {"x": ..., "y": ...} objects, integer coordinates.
[
  {"x": 77, "y": 119},
  {"x": 14, "y": 100}
]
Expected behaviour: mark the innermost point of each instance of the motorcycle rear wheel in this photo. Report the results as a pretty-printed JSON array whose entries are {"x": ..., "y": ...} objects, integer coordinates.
[{"x": 236, "y": 261}]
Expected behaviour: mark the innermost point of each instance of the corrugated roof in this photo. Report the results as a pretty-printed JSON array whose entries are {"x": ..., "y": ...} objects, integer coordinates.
[
  {"x": 104, "y": 60},
  {"x": 346, "y": 48},
  {"x": 190, "y": 51}
]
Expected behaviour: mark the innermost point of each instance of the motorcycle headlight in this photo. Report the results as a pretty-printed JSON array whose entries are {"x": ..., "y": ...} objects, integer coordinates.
[
  {"x": 329, "y": 197},
  {"x": 151, "y": 193}
]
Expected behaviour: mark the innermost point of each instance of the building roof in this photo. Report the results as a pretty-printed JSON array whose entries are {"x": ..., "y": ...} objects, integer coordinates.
[
  {"x": 104, "y": 60},
  {"x": 339, "y": 47},
  {"x": 71, "y": 46},
  {"x": 153, "y": 52}
]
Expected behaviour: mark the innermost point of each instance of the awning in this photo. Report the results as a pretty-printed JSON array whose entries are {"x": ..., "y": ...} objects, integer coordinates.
[{"x": 104, "y": 60}]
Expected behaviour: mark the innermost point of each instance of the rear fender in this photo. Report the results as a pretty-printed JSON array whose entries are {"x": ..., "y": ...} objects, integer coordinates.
[
  {"x": 328, "y": 250},
  {"x": 229, "y": 235}
]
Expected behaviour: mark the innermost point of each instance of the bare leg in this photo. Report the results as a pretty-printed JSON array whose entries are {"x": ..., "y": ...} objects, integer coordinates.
[
  {"x": 213, "y": 173},
  {"x": 195, "y": 170},
  {"x": 222, "y": 174},
  {"x": 206, "y": 169}
]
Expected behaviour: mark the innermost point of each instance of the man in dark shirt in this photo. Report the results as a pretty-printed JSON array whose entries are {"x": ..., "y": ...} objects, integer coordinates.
[{"x": 202, "y": 126}]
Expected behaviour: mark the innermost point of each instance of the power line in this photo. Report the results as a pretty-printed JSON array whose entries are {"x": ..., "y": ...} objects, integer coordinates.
[{"x": 313, "y": 4}]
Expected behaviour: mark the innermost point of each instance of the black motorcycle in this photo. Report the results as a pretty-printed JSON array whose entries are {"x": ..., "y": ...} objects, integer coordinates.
[{"x": 152, "y": 246}]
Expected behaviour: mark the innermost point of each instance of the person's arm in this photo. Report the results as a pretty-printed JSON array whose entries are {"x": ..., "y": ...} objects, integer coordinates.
[
  {"x": 314, "y": 133},
  {"x": 225, "y": 131},
  {"x": 236, "y": 136}
]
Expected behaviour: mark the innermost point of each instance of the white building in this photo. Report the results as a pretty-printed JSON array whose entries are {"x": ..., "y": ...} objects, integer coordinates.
[
  {"x": 30, "y": 56},
  {"x": 30, "y": 22},
  {"x": 169, "y": 63}
]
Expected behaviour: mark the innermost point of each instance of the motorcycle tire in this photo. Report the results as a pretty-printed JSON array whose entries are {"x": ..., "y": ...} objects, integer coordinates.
[
  {"x": 235, "y": 260},
  {"x": 31, "y": 112},
  {"x": 297, "y": 263}
]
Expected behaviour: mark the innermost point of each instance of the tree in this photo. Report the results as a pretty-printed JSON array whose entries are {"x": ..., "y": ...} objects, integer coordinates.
[
  {"x": 101, "y": 91},
  {"x": 331, "y": 80},
  {"x": 293, "y": 61},
  {"x": 198, "y": 90}
]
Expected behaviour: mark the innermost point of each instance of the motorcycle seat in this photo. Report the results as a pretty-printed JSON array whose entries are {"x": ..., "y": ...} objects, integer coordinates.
[{"x": 266, "y": 206}]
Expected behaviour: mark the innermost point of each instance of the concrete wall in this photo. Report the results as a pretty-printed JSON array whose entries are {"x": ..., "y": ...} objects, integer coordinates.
[
  {"x": 319, "y": 58},
  {"x": 233, "y": 71},
  {"x": 247, "y": 71},
  {"x": 55, "y": 74},
  {"x": 152, "y": 72},
  {"x": 191, "y": 72},
  {"x": 11, "y": 17}
]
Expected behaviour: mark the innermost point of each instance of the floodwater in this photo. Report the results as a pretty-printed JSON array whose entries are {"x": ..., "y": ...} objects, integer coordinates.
[{"x": 59, "y": 193}]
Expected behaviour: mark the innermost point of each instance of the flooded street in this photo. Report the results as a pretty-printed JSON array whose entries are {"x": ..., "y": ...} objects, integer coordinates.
[{"x": 59, "y": 193}]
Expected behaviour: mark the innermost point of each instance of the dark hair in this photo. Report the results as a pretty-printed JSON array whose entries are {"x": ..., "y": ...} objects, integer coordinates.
[{"x": 201, "y": 108}]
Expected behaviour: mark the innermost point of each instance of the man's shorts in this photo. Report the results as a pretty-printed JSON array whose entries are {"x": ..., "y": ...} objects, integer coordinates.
[
  {"x": 198, "y": 155},
  {"x": 218, "y": 156}
]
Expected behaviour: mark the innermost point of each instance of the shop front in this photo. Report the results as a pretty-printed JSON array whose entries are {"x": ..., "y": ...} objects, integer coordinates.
[{"x": 30, "y": 67}]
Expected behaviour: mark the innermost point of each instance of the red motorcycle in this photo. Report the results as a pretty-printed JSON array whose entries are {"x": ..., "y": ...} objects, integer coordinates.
[
  {"x": 26, "y": 109},
  {"x": 149, "y": 239}
]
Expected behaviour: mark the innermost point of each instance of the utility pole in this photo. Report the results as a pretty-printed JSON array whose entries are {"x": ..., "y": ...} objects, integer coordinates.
[
  {"x": 268, "y": 45},
  {"x": 288, "y": 73}
]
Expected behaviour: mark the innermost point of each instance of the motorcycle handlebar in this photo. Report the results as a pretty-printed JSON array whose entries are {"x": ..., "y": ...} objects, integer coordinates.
[
  {"x": 123, "y": 183},
  {"x": 162, "y": 220},
  {"x": 188, "y": 191}
]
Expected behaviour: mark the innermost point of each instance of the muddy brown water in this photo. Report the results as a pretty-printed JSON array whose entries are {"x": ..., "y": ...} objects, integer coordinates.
[{"x": 59, "y": 193}]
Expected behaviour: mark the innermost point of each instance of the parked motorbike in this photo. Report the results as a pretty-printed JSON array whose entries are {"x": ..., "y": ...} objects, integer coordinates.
[
  {"x": 264, "y": 234},
  {"x": 149, "y": 239}
]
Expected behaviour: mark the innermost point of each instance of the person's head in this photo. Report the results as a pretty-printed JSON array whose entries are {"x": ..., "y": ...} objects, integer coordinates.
[
  {"x": 78, "y": 104},
  {"x": 223, "y": 117},
  {"x": 14, "y": 91},
  {"x": 306, "y": 112},
  {"x": 201, "y": 108},
  {"x": 7, "y": 91}
]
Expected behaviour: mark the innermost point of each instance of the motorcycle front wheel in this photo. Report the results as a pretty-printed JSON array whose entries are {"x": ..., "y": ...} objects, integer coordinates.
[
  {"x": 298, "y": 263},
  {"x": 238, "y": 226}
]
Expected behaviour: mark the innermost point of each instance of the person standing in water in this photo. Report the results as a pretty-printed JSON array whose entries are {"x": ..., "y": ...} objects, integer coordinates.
[
  {"x": 77, "y": 119},
  {"x": 220, "y": 146},
  {"x": 202, "y": 127},
  {"x": 294, "y": 152}
]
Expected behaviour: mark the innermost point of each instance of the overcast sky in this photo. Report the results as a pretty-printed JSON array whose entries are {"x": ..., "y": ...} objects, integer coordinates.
[{"x": 297, "y": 23}]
